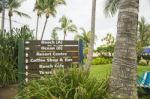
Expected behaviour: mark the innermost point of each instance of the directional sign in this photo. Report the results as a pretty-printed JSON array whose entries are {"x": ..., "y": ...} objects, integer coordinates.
[{"x": 42, "y": 57}]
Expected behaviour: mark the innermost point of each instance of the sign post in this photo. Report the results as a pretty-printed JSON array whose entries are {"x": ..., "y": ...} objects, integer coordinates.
[
  {"x": 20, "y": 64},
  {"x": 37, "y": 58}
]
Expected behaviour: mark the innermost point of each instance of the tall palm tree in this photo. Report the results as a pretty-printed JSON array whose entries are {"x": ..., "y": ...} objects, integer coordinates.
[
  {"x": 50, "y": 9},
  {"x": 66, "y": 26},
  {"x": 84, "y": 36},
  {"x": 143, "y": 36},
  {"x": 2, "y": 9},
  {"x": 92, "y": 36},
  {"x": 143, "y": 33},
  {"x": 111, "y": 7},
  {"x": 12, "y": 6},
  {"x": 39, "y": 7},
  {"x": 123, "y": 76},
  {"x": 54, "y": 35}
]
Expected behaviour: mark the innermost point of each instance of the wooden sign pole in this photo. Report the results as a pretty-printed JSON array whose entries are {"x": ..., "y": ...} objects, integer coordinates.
[{"x": 20, "y": 64}]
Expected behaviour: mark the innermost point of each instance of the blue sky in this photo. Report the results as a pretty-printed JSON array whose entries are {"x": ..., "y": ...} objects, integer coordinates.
[{"x": 80, "y": 12}]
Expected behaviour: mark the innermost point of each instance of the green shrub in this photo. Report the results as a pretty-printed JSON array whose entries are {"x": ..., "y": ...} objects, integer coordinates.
[
  {"x": 143, "y": 62},
  {"x": 98, "y": 61},
  {"x": 7, "y": 61},
  {"x": 9, "y": 54},
  {"x": 71, "y": 84}
]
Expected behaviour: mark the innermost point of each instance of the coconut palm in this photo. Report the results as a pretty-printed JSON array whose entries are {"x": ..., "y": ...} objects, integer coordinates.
[
  {"x": 92, "y": 36},
  {"x": 54, "y": 35},
  {"x": 84, "y": 36},
  {"x": 123, "y": 76},
  {"x": 66, "y": 26},
  {"x": 111, "y": 7},
  {"x": 143, "y": 33},
  {"x": 39, "y": 7},
  {"x": 12, "y": 6},
  {"x": 143, "y": 37},
  {"x": 2, "y": 9},
  {"x": 50, "y": 10}
]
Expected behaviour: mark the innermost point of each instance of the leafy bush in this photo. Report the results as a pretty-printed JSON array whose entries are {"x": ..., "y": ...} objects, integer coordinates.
[
  {"x": 143, "y": 62},
  {"x": 7, "y": 61},
  {"x": 98, "y": 61},
  {"x": 68, "y": 84},
  {"x": 9, "y": 54}
]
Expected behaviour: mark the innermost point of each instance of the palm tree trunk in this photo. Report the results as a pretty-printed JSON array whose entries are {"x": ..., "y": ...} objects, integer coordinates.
[
  {"x": 64, "y": 35},
  {"x": 3, "y": 18},
  {"x": 10, "y": 25},
  {"x": 44, "y": 28},
  {"x": 91, "y": 43},
  {"x": 123, "y": 77},
  {"x": 37, "y": 25}
]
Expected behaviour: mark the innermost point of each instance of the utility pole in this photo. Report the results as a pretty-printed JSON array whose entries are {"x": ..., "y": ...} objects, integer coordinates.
[{"x": 3, "y": 17}]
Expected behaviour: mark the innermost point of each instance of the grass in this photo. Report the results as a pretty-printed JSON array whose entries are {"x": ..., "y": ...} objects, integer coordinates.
[{"x": 103, "y": 71}]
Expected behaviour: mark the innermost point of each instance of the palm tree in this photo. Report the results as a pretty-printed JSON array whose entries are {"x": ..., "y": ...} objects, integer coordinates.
[
  {"x": 50, "y": 9},
  {"x": 111, "y": 7},
  {"x": 66, "y": 26},
  {"x": 143, "y": 33},
  {"x": 84, "y": 36},
  {"x": 123, "y": 77},
  {"x": 2, "y": 9},
  {"x": 92, "y": 36},
  {"x": 143, "y": 36},
  {"x": 54, "y": 35},
  {"x": 12, "y": 6},
  {"x": 39, "y": 7}
]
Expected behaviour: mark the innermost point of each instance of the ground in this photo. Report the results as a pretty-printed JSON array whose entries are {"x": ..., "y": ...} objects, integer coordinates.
[
  {"x": 97, "y": 71},
  {"x": 8, "y": 92}
]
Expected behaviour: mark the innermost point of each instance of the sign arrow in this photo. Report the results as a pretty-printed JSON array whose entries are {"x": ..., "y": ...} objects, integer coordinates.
[
  {"x": 27, "y": 54},
  {"x": 27, "y": 67},
  {"x": 27, "y": 42},
  {"x": 27, "y": 48},
  {"x": 27, "y": 60},
  {"x": 26, "y": 80},
  {"x": 27, "y": 73}
]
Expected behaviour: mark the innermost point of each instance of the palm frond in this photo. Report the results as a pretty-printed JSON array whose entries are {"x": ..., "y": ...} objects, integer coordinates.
[
  {"x": 21, "y": 14},
  {"x": 111, "y": 7}
]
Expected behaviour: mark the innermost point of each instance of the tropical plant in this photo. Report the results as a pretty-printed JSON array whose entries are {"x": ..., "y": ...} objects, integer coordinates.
[
  {"x": 54, "y": 35},
  {"x": 66, "y": 26},
  {"x": 50, "y": 10},
  {"x": 84, "y": 36},
  {"x": 12, "y": 6},
  {"x": 66, "y": 84},
  {"x": 108, "y": 40},
  {"x": 39, "y": 7},
  {"x": 92, "y": 36},
  {"x": 123, "y": 77},
  {"x": 111, "y": 7},
  {"x": 9, "y": 54},
  {"x": 7, "y": 61},
  {"x": 143, "y": 35},
  {"x": 107, "y": 49}
]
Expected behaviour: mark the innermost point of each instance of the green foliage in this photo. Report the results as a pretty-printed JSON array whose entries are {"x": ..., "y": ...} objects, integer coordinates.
[
  {"x": 107, "y": 49},
  {"x": 98, "y": 61},
  {"x": 67, "y": 84},
  {"x": 54, "y": 35},
  {"x": 143, "y": 63},
  {"x": 66, "y": 25},
  {"x": 84, "y": 36},
  {"x": 9, "y": 54},
  {"x": 7, "y": 61}
]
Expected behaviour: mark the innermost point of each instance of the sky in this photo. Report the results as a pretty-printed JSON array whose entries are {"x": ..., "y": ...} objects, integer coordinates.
[{"x": 79, "y": 11}]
